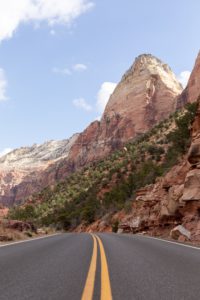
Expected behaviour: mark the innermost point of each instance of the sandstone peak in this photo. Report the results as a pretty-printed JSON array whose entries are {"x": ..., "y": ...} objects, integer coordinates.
[
  {"x": 154, "y": 66},
  {"x": 150, "y": 84},
  {"x": 146, "y": 95}
]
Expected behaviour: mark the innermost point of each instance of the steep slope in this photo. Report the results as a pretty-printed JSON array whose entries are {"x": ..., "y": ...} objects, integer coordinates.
[
  {"x": 98, "y": 191},
  {"x": 21, "y": 171},
  {"x": 173, "y": 200},
  {"x": 146, "y": 95},
  {"x": 192, "y": 91}
]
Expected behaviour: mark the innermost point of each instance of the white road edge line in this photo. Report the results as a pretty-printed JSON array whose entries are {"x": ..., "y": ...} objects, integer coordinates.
[
  {"x": 30, "y": 240},
  {"x": 170, "y": 242}
]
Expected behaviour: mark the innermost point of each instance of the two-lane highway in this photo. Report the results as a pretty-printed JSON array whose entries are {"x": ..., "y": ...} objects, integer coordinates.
[{"x": 99, "y": 266}]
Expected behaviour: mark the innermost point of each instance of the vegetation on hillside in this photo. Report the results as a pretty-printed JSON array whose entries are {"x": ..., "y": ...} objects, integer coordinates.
[{"x": 110, "y": 185}]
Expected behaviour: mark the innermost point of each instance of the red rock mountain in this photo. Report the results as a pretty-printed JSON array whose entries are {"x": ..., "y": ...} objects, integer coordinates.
[{"x": 146, "y": 95}]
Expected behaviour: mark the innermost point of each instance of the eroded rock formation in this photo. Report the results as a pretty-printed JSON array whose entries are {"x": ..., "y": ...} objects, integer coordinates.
[{"x": 146, "y": 95}]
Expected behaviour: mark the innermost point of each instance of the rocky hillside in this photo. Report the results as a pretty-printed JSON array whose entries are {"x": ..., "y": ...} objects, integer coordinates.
[
  {"x": 171, "y": 206},
  {"x": 111, "y": 184},
  {"x": 21, "y": 170},
  {"x": 146, "y": 95}
]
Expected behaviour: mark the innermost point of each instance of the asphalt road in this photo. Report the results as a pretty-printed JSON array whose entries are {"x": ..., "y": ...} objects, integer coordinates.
[{"x": 102, "y": 266}]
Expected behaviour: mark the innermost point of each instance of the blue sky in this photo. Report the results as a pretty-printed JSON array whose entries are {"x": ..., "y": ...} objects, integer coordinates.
[{"x": 58, "y": 58}]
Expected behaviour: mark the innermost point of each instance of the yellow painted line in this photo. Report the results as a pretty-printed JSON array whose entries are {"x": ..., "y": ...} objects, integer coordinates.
[
  {"x": 106, "y": 293},
  {"x": 89, "y": 285}
]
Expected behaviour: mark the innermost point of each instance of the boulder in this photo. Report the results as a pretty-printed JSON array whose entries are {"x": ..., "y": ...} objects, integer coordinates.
[
  {"x": 191, "y": 190},
  {"x": 194, "y": 154},
  {"x": 180, "y": 231}
]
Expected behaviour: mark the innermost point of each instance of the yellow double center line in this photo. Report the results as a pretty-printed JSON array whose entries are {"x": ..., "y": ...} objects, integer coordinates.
[{"x": 88, "y": 292}]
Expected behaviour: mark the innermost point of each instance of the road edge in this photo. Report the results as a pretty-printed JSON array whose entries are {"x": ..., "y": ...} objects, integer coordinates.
[
  {"x": 169, "y": 241},
  {"x": 29, "y": 240}
]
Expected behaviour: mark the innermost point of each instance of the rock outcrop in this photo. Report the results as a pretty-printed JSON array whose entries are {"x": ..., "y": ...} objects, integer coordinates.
[{"x": 180, "y": 233}]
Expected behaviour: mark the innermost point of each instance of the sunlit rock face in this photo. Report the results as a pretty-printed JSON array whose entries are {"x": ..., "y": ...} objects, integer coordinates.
[{"x": 146, "y": 95}]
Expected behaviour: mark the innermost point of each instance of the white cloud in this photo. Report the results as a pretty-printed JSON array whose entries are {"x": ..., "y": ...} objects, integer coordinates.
[
  {"x": 82, "y": 104},
  {"x": 69, "y": 71},
  {"x": 103, "y": 96},
  {"x": 184, "y": 77},
  {"x": 53, "y": 12},
  {"x": 3, "y": 85},
  {"x": 52, "y": 32},
  {"x": 79, "y": 67},
  {"x": 64, "y": 71},
  {"x": 5, "y": 151},
  {"x": 107, "y": 88}
]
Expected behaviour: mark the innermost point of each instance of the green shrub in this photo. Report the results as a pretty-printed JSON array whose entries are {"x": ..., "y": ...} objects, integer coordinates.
[{"x": 115, "y": 226}]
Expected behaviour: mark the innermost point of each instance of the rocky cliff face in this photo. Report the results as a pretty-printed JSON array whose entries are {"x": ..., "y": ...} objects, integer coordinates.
[
  {"x": 22, "y": 171},
  {"x": 192, "y": 91},
  {"x": 173, "y": 201},
  {"x": 146, "y": 95}
]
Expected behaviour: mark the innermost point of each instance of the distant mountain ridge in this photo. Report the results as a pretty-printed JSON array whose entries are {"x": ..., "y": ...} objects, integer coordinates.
[
  {"x": 21, "y": 169},
  {"x": 37, "y": 155}
]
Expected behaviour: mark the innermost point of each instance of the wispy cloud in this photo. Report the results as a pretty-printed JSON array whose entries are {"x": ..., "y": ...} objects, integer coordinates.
[
  {"x": 53, "y": 12},
  {"x": 70, "y": 70},
  {"x": 3, "y": 85},
  {"x": 184, "y": 77},
  {"x": 81, "y": 103},
  {"x": 79, "y": 67}
]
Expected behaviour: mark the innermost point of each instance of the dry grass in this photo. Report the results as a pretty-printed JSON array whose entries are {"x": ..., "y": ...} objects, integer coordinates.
[{"x": 7, "y": 234}]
